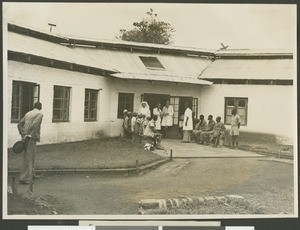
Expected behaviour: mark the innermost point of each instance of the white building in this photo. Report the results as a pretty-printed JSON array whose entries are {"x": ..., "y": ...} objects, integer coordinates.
[{"x": 85, "y": 85}]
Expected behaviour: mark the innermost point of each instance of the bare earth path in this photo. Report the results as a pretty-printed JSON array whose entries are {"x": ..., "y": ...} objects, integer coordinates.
[{"x": 265, "y": 183}]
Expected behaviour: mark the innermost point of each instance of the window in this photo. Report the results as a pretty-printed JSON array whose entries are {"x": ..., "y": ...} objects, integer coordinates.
[
  {"x": 174, "y": 101},
  {"x": 241, "y": 104},
  {"x": 195, "y": 107},
  {"x": 61, "y": 102},
  {"x": 24, "y": 95},
  {"x": 90, "y": 105},
  {"x": 125, "y": 101},
  {"x": 152, "y": 63}
]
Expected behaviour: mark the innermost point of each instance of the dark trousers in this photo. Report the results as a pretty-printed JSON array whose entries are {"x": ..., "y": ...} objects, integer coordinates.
[{"x": 27, "y": 172}]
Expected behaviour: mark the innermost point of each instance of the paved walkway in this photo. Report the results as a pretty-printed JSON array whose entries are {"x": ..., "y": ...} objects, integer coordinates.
[{"x": 193, "y": 150}]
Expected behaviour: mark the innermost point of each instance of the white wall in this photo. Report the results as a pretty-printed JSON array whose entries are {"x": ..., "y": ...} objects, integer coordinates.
[
  {"x": 141, "y": 87},
  {"x": 271, "y": 108},
  {"x": 107, "y": 123},
  {"x": 76, "y": 128}
]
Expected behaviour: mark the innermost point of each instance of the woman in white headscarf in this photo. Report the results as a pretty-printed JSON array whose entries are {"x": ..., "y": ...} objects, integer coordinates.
[
  {"x": 167, "y": 117},
  {"x": 144, "y": 109}
]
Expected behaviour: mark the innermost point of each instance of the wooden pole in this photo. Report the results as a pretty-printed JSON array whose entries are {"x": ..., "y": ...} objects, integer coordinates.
[
  {"x": 171, "y": 154},
  {"x": 14, "y": 186},
  {"x": 31, "y": 186},
  {"x": 137, "y": 165}
]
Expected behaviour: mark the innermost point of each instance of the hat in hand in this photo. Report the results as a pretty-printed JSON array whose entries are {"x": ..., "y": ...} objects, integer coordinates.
[{"x": 19, "y": 147}]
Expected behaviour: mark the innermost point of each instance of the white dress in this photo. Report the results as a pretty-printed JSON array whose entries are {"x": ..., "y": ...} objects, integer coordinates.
[
  {"x": 158, "y": 113},
  {"x": 188, "y": 114},
  {"x": 144, "y": 111},
  {"x": 167, "y": 120}
]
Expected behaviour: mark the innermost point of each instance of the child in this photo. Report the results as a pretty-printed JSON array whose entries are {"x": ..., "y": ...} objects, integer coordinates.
[
  {"x": 138, "y": 124},
  {"x": 145, "y": 123},
  {"x": 127, "y": 125},
  {"x": 141, "y": 131},
  {"x": 132, "y": 125}
]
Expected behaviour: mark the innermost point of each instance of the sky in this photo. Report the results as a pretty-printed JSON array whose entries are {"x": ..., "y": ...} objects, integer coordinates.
[{"x": 241, "y": 26}]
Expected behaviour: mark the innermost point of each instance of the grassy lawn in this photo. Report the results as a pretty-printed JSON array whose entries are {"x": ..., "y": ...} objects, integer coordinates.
[
  {"x": 91, "y": 154},
  {"x": 263, "y": 143},
  {"x": 216, "y": 207}
]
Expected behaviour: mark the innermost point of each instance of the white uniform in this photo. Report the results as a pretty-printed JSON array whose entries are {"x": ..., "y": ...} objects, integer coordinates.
[
  {"x": 167, "y": 120},
  {"x": 144, "y": 110},
  {"x": 189, "y": 125},
  {"x": 158, "y": 113}
]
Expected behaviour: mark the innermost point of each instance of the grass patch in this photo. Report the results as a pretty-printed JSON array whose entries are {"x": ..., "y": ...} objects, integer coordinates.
[
  {"x": 216, "y": 207},
  {"x": 32, "y": 204},
  {"x": 89, "y": 154},
  {"x": 262, "y": 143}
]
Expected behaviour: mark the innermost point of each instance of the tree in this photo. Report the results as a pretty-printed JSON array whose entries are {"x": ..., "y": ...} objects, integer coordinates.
[{"x": 149, "y": 30}]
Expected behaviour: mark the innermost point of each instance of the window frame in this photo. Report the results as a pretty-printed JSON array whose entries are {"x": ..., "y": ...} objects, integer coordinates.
[
  {"x": 236, "y": 99},
  {"x": 68, "y": 89},
  {"x": 145, "y": 62},
  {"x": 90, "y": 91},
  {"x": 130, "y": 100},
  {"x": 22, "y": 85}
]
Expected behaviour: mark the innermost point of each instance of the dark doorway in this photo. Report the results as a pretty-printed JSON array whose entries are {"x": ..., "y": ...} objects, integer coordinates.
[{"x": 153, "y": 99}]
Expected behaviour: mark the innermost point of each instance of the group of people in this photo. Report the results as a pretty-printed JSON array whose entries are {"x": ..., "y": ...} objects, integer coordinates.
[
  {"x": 209, "y": 132},
  {"x": 155, "y": 126},
  {"x": 143, "y": 124}
]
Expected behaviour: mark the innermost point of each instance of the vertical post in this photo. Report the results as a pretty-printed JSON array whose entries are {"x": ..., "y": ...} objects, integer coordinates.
[
  {"x": 14, "y": 186},
  {"x": 137, "y": 165},
  {"x": 171, "y": 154},
  {"x": 31, "y": 186}
]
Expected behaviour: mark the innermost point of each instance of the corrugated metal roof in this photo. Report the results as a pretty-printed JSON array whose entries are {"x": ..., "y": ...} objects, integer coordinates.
[
  {"x": 271, "y": 69},
  {"x": 161, "y": 77},
  {"x": 112, "y": 41},
  {"x": 29, "y": 45},
  {"x": 253, "y": 52},
  {"x": 113, "y": 60},
  {"x": 131, "y": 63}
]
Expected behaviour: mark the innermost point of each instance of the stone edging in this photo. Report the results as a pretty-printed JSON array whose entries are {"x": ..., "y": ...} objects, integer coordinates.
[
  {"x": 102, "y": 171},
  {"x": 147, "y": 206}
]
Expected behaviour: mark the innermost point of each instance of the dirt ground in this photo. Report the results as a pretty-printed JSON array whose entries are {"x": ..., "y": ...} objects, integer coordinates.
[{"x": 264, "y": 184}]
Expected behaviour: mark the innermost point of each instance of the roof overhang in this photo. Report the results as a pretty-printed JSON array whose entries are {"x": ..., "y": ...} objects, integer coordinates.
[{"x": 161, "y": 77}]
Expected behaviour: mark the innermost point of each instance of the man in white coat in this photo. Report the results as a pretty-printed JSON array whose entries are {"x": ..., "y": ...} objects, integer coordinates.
[
  {"x": 167, "y": 119},
  {"x": 187, "y": 124}
]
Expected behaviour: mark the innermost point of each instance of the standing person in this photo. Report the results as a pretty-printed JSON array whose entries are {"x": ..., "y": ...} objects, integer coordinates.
[
  {"x": 127, "y": 125},
  {"x": 132, "y": 125},
  {"x": 157, "y": 112},
  {"x": 30, "y": 130},
  {"x": 144, "y": 109},
  {"x": 167, "y": 119},
  {"x": 187, "y": 124},
  {"x": 235, "y": 126}
]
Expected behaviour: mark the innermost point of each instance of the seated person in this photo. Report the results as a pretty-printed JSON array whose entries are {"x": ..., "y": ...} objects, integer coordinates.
[
  {"x": 145, "y": 123},
  {"x": 151, "y": 131},
  {"x": 209, "y": 128},
  {"x": 218, "y": 133},
  {"x": 199, "y": 128}
]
